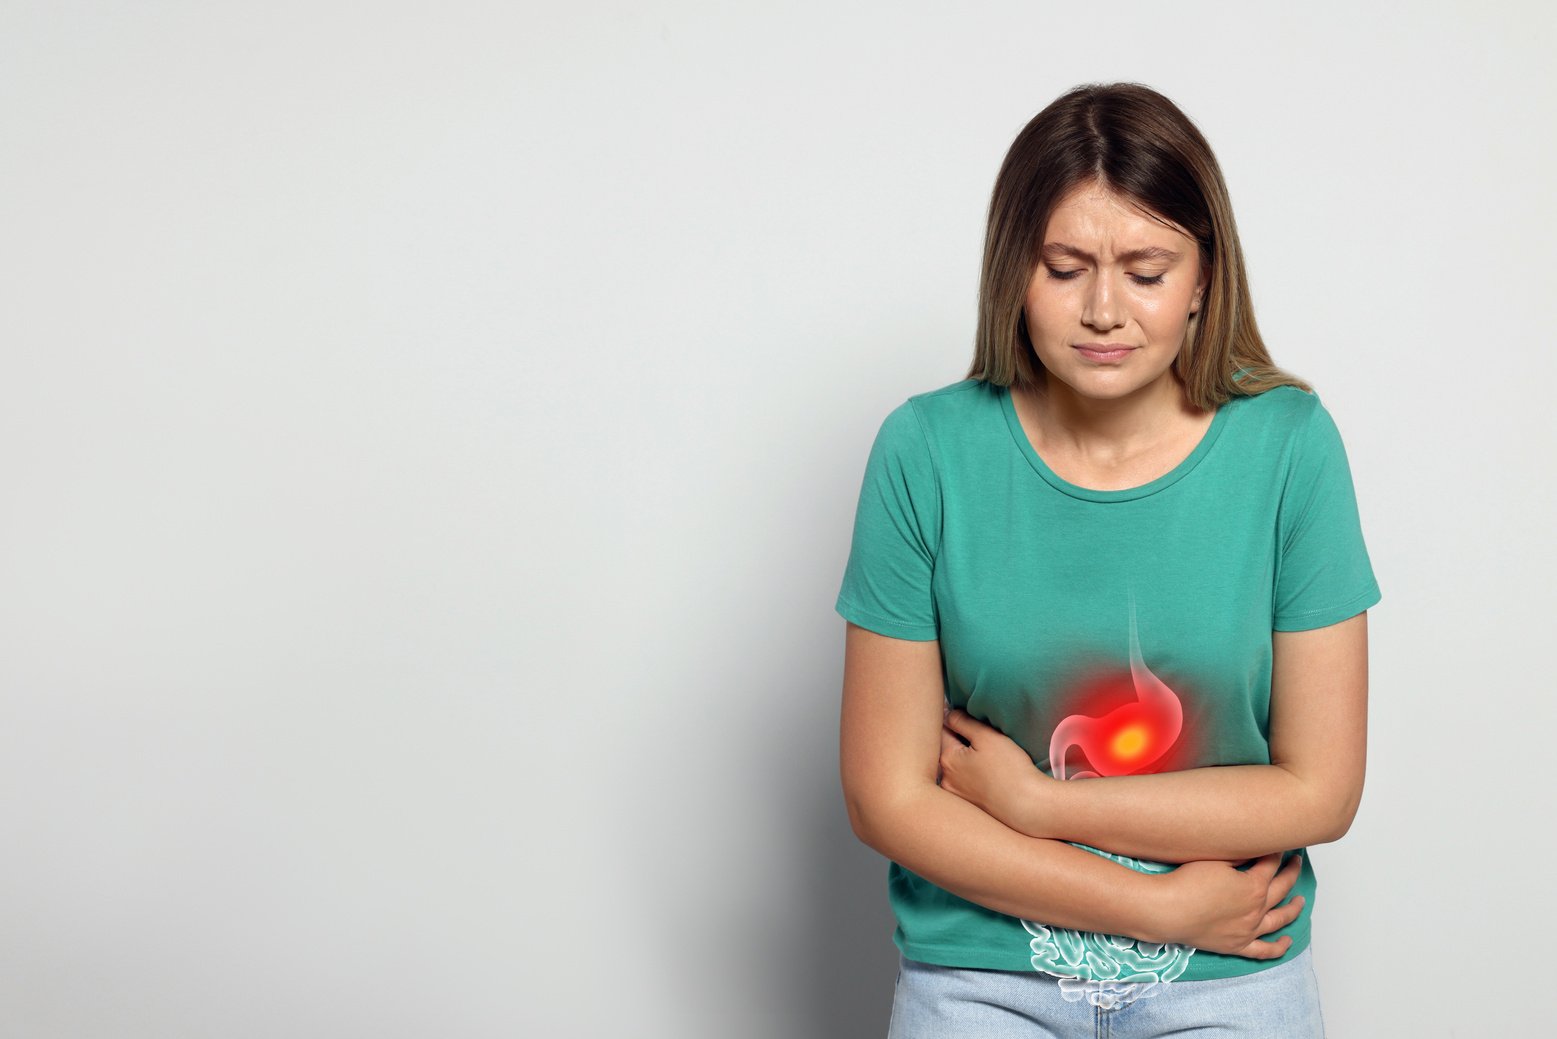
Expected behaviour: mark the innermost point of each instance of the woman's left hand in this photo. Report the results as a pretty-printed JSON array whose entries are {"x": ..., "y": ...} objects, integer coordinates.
[{"x": 991, "y": 770}]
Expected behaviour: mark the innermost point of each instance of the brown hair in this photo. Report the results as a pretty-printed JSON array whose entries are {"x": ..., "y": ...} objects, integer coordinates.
[{"x": 1137, "y": 143}]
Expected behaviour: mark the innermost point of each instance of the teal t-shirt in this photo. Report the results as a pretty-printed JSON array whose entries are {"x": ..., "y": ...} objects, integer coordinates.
[{"x": 1106, "y": 632}]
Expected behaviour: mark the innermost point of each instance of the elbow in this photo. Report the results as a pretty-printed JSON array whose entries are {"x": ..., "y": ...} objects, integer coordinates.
[
  {"x": 1339, "y": 817},
  {"x": 873, "y": 818},
  {"x": 857, "y": 817},
  {"x": 871, "y": 824},
  {"x": 1334, "y": 832},
  {"x": 1325, "y": 803}
]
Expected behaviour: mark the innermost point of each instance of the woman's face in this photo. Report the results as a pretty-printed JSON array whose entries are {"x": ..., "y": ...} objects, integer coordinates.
[{"x": 1109, "y": 276}]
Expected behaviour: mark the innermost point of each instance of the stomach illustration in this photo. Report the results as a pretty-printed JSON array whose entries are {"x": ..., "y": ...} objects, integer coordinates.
[{"x": 1132, "y": 737}]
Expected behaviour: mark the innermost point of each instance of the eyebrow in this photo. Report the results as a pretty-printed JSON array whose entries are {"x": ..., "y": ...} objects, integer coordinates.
[{"x": 1150, "y": 252}]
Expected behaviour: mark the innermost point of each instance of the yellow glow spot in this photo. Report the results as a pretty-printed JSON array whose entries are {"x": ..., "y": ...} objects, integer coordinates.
[{"x": 1130, "y": 741}]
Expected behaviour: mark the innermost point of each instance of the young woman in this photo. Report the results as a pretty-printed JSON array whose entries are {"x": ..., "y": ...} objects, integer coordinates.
[{"x": 1106, "y": 665}]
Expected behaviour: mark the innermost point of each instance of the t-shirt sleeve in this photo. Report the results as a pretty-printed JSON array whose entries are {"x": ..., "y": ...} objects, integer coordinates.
[
  {"x": 1323, "y": 574},
  {"x": 886, "y": 582}
]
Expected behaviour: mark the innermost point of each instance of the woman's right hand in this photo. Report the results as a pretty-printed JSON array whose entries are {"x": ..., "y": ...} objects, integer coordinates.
[{"x": 1215, "y": 906}]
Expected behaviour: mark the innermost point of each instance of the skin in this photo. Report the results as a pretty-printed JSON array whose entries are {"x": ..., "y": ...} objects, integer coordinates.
[{"x": 959, "y": 803}]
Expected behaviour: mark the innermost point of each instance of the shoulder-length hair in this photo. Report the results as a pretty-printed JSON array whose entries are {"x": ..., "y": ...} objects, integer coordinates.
[{"x": 1138, "y": 144}]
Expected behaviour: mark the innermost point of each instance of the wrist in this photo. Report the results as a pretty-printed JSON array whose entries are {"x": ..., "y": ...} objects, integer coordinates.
[
  {"x": 1161, "y": 912},
  {"x": 1036, "y": 808},
  {"x": 1049, "y": 808}
]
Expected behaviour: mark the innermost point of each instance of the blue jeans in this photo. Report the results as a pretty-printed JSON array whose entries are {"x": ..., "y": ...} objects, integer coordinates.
[{"x": 935, "y": 1002}]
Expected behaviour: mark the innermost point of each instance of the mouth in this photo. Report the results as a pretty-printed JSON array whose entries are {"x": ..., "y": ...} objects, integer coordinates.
[{"x": 1103, "y": 351}]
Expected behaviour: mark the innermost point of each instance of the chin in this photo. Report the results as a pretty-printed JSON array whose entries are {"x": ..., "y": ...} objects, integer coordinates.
[
  {"x": 1085, "y": 373},
  {"x": 1109, "y": 385}
]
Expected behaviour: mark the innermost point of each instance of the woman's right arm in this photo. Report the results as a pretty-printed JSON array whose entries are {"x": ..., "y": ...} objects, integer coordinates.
[{"x": 890, "y": 746}]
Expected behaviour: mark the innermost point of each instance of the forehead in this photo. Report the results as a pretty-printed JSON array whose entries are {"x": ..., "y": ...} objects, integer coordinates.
[{"x": 1090, "y": 218}]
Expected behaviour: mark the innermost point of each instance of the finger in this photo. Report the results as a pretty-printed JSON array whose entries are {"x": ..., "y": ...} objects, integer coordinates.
[
  {"x": 1281, "y": 885},
  {"x": 1265, "y": 866},
  {"x": 1260, "y": 949},
  {"x": 1281, "y": 916},
  {"x": 963, "y": 723},
  {"x": 948, "y": 741}
]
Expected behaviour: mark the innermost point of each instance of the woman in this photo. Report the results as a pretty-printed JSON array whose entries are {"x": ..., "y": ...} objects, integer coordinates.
[{"x": 1126, "y": 549}]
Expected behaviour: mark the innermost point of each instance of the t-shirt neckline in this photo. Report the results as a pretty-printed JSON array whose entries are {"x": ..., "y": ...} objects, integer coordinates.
[{"x": 1167, "y": 479}]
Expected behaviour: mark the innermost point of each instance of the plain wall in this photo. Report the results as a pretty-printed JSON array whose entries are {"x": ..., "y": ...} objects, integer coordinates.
[{"x": 430, "y": 438}]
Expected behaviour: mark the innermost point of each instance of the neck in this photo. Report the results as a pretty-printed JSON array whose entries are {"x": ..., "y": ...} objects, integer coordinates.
[{"x": 1112, "y": 427}]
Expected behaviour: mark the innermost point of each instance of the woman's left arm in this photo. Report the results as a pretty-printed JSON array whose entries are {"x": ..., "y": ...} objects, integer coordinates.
[{"x": 1307, "y": 795}]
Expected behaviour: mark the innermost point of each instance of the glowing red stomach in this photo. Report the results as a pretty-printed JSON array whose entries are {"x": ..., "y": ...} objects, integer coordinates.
[{"x": 1131, "y": 738}]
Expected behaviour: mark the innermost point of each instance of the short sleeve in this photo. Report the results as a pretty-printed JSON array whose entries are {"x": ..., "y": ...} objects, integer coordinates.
[
  {"x": 886, "y": 582},
  {"x": 1323, "y": 574}
]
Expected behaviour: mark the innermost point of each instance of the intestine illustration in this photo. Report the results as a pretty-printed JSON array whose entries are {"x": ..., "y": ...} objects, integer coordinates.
[{"x": 1106, "y": 970}]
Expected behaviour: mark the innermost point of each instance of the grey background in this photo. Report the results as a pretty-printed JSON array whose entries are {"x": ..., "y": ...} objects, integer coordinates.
[{"x": 431, "y": 434}]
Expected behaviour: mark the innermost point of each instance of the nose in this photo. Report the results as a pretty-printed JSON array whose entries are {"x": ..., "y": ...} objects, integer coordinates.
[{"x": 1101, "y": 309}]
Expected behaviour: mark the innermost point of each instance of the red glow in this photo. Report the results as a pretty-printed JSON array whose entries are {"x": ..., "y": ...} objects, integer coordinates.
[{"x": 1120, "y": 739}]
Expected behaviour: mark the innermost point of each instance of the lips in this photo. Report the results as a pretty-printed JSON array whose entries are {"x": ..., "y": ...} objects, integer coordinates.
[{"x": 1103, "y": 351}]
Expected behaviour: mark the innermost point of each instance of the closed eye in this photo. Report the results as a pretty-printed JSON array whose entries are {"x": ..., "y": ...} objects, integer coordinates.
[{"x": 1140, "y": 279}]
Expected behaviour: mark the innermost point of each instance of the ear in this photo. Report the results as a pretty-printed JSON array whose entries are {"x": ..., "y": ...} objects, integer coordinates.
[{"x": 1200, "y": 288}]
